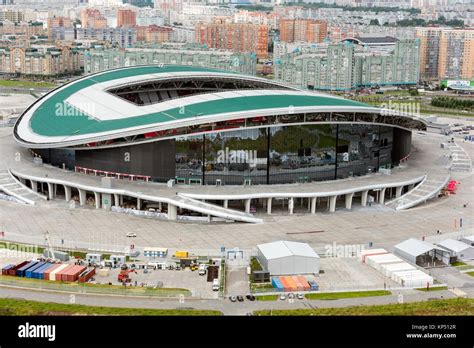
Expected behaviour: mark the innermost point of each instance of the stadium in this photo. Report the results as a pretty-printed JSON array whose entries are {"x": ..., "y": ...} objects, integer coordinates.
[{"x": 205, "y": 126}]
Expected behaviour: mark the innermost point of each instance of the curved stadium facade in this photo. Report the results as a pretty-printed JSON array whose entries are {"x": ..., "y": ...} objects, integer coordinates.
[{"x": 203, "y": 125}]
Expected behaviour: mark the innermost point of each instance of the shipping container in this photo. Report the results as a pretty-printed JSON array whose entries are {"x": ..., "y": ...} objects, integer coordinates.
[
  {"x": 56, "y": 274},
  {"x": 277, "y": 284},
  {"x": 291, "y": 283},
  {"x": 20, "y": 272},
  {"x": 13, "y": 270},
  {"x": 86, "y": 275},
  {"x": 304, "y": 282},
  {"x": 29, "y": 271},
  {"x": 7, "y": 268},
  {"x": 390, "y": 268},
  {"x": 313, "y": 286},
  {"x": 369, "y": 252},
  {"x": 298, "y": 282},
  {"x": 62, "y": 275},
  {"x": 286, "y": 286},
  {"x": 50, "y": 270},
  {"x": 376, "y": 261},
  {"x": 39, "y": 273},
  {"x": 74, "y": 273},
  {"x": 181, "y": 254}
]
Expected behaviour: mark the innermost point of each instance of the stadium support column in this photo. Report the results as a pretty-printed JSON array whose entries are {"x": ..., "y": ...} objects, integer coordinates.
[
  {"x": 291, "y": 204},
  {"x": 337, "y": 144},
  {"x": 398, "y": 191},
  {"x": 116, "y": 200},
  {"x": 247, "y": 206},
  {"x": 34, "y": 185},
  {"x": 268, "y": 158},
  {"x": 67, "y": 191},
  {"x": 313, "y": 205},
  {"x": 139, "y": 204},
  {"x": 363, "y": 199},
  {"x": 97, "y": 200},
  {"x": 204, "y": 159},
  {"x": 82, "y": 197},
  {"x": 332, "y": 204},
  {"x": 172, "y": 212},
  {"x": 269, "y": 206},
  {"x": 50, "y": 190},
  {"x": 226, "y": 203},
  {"x": 382, "y": 196},
  {"x": 349, "y": 197}
]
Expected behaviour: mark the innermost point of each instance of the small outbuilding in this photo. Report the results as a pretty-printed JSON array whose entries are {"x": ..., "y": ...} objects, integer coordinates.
[
  {"x": 422, "y": 253},
  {"x": 457, "y": 250},
  {"x": 288, "y": 258}
]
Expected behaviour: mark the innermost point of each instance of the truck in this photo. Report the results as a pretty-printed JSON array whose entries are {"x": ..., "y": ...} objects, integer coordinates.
[{"x": 215, "y": 284}]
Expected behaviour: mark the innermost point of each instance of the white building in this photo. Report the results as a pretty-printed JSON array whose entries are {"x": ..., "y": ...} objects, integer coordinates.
[
  {"x": 421, "y": 253},
  {"x": 468, "y": 240},
  {"x": 458, "y": 250},
  {"x": 287, "y": 258}
]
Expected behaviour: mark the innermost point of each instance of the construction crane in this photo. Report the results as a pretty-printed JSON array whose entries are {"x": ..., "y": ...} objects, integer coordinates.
[
  {"x": 123, "y": 276},
  {"x": 50, "y": 253}
]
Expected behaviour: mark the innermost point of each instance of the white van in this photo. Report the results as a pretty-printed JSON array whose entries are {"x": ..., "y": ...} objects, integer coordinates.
[
  {"x": 215, "y": 284},
  {"x": 202, "y": 269}
]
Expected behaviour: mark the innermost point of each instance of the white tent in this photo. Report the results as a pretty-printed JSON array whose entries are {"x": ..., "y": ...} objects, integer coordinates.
[
  {"x": 286, "y": 258},
  {"x": 457, "y": 249},
  {"x": 376, "y": 261},
  {"x": 389, "y": 269},
  {"x": 468, "y": 240},
  {"x": 418, "y": 251}
]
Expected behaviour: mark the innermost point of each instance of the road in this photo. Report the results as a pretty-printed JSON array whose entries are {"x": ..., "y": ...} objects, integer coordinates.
[{"x": 225, "y": 306}]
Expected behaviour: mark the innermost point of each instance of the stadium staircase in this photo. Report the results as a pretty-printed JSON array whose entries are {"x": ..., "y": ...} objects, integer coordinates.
[{"x": 14, "y": 188}]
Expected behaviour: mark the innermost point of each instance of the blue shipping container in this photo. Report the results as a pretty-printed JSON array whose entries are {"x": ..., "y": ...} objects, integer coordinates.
[
  {"x": 29, "y": 271},
  {"x": 277, "y": 284},
  {"x": 21, "y": 271},
  {"x": 38, "y": 273}
]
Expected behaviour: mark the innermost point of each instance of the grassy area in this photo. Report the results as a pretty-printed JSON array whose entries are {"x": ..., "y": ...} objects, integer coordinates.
[
  {"x": 261, "y": 286},
  {"x": 26, "y": 84},
  {"x": 464, "y": 268},
  {"x": 349, "y": 294},
  {"x": 456, "y": 306},
  {"x": 267, "y": 298},
  {"x": 29, "y": 248},
  {"x": 458, "y": 263},
  {"x": 470, "y": 273},
  {"x": 21, "y": 307},
  {"x": 93, "y": 288},
  {"x": 433, "y": 288}
]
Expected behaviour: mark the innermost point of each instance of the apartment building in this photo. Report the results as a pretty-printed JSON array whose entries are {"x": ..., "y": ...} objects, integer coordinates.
[
  {"x": 126, "y": 18},
  {"x": 92, "y": 18},
  {"x": 57, "y": 22},
  {"x": 305, "y": 30}
]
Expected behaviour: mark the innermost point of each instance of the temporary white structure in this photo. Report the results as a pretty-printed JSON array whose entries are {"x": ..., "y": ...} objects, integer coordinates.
[
  {"x": 412, "y": 279},
  {"x": 389, "y": 269},
  {"x": 457, "y": 249},
  {"x": 415, "y": 251},
  {"x": 468, "y": 240},
  {"x": 376, "y": 261},
  {"x": 284, "y": 258},
  {"x": 367, "y": 252}
]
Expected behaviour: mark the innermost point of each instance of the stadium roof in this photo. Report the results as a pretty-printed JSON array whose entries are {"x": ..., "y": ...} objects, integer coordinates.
[{"x": 84, "y": 110}]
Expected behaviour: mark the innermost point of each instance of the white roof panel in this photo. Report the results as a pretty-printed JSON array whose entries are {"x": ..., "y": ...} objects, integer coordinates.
[
  {"x": 415, "y": 247},
  {"x": 279, "y": 249},
  {"x": 454, "y": 245}
]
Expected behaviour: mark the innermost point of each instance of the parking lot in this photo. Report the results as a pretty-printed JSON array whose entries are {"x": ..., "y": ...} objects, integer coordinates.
[{"x": 185, "y": 279}]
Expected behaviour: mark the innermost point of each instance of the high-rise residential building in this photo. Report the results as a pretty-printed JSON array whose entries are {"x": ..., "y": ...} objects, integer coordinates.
[
  {"x": 99, "y": 59},
  {"x": 92, "y": 18},
  {"x": 126, "y": 18},
  {"x": 429, "y": 51},
  {"x": 346, "y": 65},
  {"x": 121, "y": 37},
  {"x": 154, "y": 33},
  {"x": 305, "y": 30},
  {"x": 237, "y": 37},
  {"x": 56, "y": 22},
  {"x": 446, "y": 53},
  {"x": 14, "y": 16},
  {"x": 456, "y": 54}
]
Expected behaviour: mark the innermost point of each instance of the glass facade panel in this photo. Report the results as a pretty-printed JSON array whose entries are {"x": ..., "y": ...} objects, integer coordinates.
[{"x": 188, "y": 157}]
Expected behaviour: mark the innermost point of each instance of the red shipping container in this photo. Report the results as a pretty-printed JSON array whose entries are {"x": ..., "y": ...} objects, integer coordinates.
[
  {"x": 305, "y": 283},
  {"x": 67, "y": 273},
  {"x": 49, "y": 270},
  {"x": 60, "y": 276},
  {"x": 291, "y": 283},
  {"x": 299, "y": 286},
  {"x": 74, "y": 273},
  {"x": 286, "y": 286},
  {"x": 86, "y": 275},
  {"x": 12, "y": 271}
]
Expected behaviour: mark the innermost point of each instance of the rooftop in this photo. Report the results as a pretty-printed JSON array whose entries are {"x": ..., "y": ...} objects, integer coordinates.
[{"x": 279, "y": 249}]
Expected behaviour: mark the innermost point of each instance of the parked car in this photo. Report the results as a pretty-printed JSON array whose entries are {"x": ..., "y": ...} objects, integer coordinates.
[
  {"x": 283, "y": 297},
  {"x": 300, "y": 296},
  {"x": 240, "y": 298},
  {"x": 233, "y": 298},
  {"x": 131, "y": 234},
  {"x": 291, "y": 295}
]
